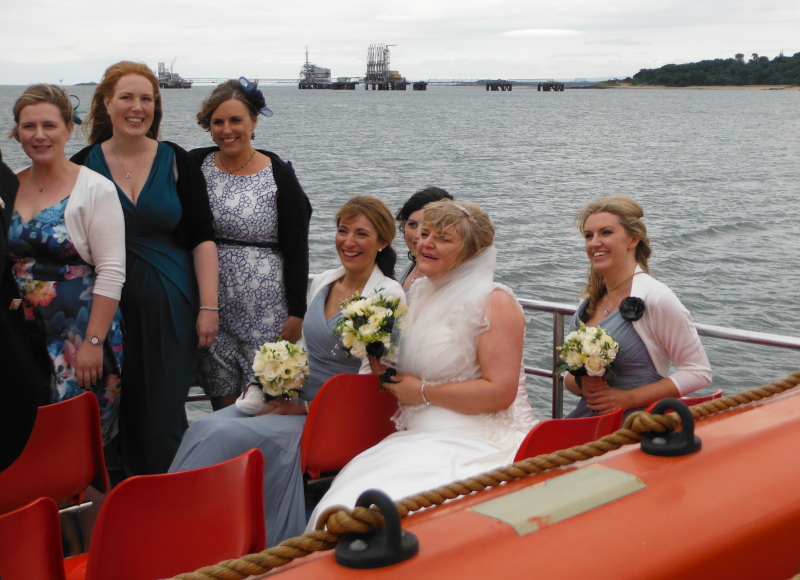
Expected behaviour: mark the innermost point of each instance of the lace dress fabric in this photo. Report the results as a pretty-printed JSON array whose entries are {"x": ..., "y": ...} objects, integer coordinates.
[
  {"x": 434, "y": 445},
  {"x": 252, "y": 295}
]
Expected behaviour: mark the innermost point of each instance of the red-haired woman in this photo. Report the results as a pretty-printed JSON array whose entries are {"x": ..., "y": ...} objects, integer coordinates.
[{"x": 170, "y": 301}]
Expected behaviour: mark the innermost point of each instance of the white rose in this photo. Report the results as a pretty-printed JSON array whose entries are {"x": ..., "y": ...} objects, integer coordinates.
[
  {"x": 272, "y": 389},
  {"x": 591, "y": 347},
  {"x": 258, "y": 364},
  {"x": 573, "y": 358},
  {"x": 272, "y": 370},
  {"x": 298, "y": 360},
  {"x": 368, "y": 330},
  {"x": 595, "y": 367},
  {"x": 571, "y": 336},
  {"x": 358, "y": 350}
]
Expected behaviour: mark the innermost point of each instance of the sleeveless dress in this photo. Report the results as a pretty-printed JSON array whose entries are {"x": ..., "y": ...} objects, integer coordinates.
[
  {"x": 632, "y": 367},
  {"x": 56, "y": 287},
  {"x": 252, "y": 295},
  {"x": 227, "y": 433},
  {"x": 159, "y": 304},
  {"x": 434, "y": 445}
]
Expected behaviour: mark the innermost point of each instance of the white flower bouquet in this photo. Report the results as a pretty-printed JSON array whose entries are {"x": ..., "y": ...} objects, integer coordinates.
[
  {"x": 367, "y": 325},
  {"x": 279, "y": 368},
  {"x": 588, "y": 351}
]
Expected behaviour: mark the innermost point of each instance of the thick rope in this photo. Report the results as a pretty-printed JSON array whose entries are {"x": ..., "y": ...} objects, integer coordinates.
[{"x": 340, "y": 520}]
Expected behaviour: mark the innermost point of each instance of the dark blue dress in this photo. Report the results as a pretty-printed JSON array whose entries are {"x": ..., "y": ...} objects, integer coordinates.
[
  {"x": 56, "y": 288},
  {"x": 160, "y": 304}
]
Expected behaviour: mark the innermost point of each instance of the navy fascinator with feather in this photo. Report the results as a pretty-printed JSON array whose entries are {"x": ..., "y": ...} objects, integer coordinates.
[{"x": 255, "y": 96}]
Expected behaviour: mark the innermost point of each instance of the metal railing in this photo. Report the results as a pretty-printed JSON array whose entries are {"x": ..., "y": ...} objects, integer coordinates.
[{"x": 559, "y": 310}]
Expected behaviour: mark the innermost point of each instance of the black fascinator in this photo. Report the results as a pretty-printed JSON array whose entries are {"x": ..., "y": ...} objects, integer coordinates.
[{"x": 255, "y": 96}]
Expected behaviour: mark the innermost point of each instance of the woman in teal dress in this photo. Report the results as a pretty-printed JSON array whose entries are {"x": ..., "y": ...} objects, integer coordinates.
[
  {"x": 68, "y": 252},
  {"x": 170, "y": 301}
]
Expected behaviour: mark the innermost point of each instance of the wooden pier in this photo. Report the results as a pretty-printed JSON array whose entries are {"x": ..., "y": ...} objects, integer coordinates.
[
  {"x": 498, "y": 85},
  {"x": 551, "y": 86}
]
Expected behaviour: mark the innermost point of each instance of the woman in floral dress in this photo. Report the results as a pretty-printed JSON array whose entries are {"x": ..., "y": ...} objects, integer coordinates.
[
  {"x": 261, "y": 217},
  {"x": 68, "y": 249}
]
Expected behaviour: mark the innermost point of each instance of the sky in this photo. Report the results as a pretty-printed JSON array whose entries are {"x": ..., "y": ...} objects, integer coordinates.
[{"x": 71, "y": 42}]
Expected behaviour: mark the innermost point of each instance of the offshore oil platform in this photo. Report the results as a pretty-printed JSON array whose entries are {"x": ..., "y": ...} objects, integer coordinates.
[
  {"x": 378, "y": 77},
  {"x": 171, "y": 80}
]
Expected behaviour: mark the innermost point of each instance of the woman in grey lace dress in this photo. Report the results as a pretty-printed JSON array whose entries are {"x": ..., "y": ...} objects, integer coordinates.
[{"x": 261, "y": 217}]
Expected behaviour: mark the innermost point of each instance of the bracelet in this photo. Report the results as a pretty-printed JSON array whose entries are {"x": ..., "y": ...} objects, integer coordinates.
[
  {"x": 305, "y": 404},
  {"x": 422, "y": 390},
  {"x": 211, "y": 308}
]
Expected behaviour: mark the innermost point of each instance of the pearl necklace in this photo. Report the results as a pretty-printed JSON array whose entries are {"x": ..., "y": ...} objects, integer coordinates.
[{"x": 219, "y": 157}]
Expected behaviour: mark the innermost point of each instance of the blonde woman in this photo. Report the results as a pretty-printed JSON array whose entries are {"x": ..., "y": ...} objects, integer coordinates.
[
  {"x": 642, "y": 314},
  {"x": 68, "y": 248}
]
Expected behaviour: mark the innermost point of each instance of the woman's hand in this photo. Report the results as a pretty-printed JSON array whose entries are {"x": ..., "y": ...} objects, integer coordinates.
[
  {"x": 601, "y": 398},
  {"x": 407, "y": 389},
  {"x": 207, "y": 327},
  {"x": 292, "y": 329},
  {"x": 284, "y": 407},
  {"x": 375, "y": 365},
  {"x": 88, "y": 364}
]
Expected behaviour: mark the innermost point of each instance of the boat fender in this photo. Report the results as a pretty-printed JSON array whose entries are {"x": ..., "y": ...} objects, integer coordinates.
[
  {"x": 672, "y": 443},
  {"x": 379, "y": 547}
]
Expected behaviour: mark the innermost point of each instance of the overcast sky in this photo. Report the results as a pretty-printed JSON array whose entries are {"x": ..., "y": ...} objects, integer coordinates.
[{"x": 74, "y": 41}]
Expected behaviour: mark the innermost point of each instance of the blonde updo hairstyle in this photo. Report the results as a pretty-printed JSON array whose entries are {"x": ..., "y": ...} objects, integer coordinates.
[
  {"x": 381, "y": 219},
  {"x": 630, "y": 215},
  {"x": 467, "y": 218},
  {"x": 98, "y": 124},
  {"x": 43, "y": 93}
]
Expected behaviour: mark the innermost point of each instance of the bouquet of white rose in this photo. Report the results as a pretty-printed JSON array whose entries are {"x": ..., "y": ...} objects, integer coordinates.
[
  {"x": 279, "y": 368},
  {"x": 366, "y": 327},
  {"x": 588, "y": 351}
]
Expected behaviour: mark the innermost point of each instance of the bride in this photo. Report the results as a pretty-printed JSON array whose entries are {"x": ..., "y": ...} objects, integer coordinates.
[{"x": 461, "y": 385}]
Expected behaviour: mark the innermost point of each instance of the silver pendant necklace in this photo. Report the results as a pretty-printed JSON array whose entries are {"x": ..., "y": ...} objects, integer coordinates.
[{"x": 128, "y": 173}]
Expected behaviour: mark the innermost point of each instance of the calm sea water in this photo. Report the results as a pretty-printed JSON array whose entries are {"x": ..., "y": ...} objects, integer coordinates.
[{"x": 716, "y": 171}]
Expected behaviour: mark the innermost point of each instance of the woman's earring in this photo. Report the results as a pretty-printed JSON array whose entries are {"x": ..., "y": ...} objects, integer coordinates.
[{"x": 252, "y": 135}]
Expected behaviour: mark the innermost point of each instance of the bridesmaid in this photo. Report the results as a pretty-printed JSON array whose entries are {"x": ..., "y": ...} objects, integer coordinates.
[
  {"x": 68, "y": 249},
  {"x": 170, "y": 301}
]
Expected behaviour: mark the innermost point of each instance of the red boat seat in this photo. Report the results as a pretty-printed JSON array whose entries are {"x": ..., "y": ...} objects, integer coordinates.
[
  {"x": 63, "y": 456},
  {"x": 555, "y": 434},
  {"x": 692, "y": 400},
  {"x": 30, "y": 542},
  {"x": 157, "y": 526},
  {"x": 349, "y": 415}
]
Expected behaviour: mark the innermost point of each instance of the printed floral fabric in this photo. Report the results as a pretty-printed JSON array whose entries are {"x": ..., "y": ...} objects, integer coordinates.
[
  {"x": 56, "y": 286},
  {"x": 252, "y": 296}
]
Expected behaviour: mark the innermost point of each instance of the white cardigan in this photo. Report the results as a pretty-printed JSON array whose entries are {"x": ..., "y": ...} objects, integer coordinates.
[
  {"x": 377, "y": 282},
  {"x": 96, "y": 226},
  {"x": 668, "y": 333}
]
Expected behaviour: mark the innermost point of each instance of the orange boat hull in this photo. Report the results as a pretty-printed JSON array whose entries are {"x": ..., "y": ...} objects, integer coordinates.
[{"x": 731, "y": 510}]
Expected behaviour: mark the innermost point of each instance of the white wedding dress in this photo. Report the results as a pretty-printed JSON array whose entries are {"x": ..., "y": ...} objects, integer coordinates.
[{"x": 433, "y": 445}]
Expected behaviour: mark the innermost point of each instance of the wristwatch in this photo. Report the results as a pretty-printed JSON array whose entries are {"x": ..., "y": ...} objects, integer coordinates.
[{"x": 95, "y": 340}]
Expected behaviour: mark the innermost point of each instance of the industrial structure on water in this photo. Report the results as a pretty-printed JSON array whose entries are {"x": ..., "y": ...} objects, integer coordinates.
[
  {"x": 378, "y": 77},
  {"x": 171, "y": 80}
]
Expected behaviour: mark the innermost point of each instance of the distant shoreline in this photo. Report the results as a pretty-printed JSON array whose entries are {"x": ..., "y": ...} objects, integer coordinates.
[{"x": 706, "y": 87}]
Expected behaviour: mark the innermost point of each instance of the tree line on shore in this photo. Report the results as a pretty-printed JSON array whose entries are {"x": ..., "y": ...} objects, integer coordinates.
[{"x": 757, "y": 70}]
